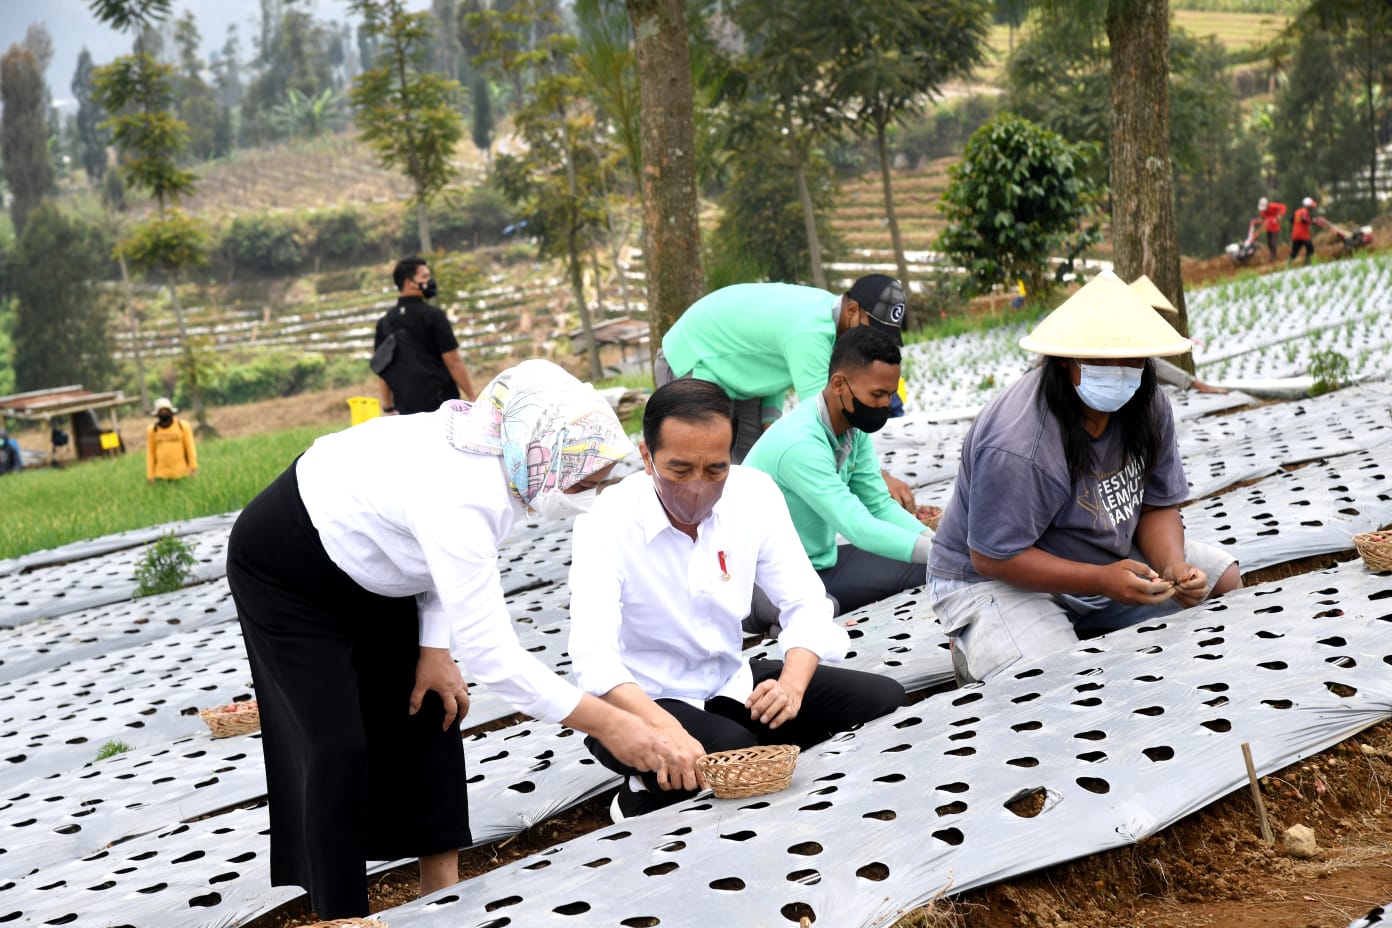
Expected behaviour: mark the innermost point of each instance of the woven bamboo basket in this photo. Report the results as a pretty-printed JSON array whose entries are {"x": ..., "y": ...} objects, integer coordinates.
[
  {"x": 350, "y": 923},
  {"x": 749, "y": 772},
  {"x": 1376, "y": 548},
  {"x": 930, "y": 516},
  {"x": 239, "y": 718}
]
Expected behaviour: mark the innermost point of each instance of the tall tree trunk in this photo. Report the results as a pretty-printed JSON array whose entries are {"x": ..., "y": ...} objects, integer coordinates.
[
  {"x": 133, "y": 318},
  {"x": 423, "y": 227},
  {"x": 809, "y": 215},
  {"x": 671, "y": 228},
  {"x": 882, "y": 143},
  {"x": 1145, "y": 234}
]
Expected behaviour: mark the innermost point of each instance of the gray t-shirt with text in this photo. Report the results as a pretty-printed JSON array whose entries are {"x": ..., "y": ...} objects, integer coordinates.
[{"x": 1013, "y": 491}]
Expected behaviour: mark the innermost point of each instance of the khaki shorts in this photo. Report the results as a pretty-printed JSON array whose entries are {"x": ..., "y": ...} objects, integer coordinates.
[{"x": 992, "y": 625}]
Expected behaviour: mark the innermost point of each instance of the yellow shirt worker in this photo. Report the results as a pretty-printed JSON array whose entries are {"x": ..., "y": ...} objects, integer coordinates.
[{"x": 170, "y": 453}]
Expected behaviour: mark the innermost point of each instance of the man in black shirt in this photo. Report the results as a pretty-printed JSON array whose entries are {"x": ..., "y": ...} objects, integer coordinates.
[{"x": 424, "y": 368}]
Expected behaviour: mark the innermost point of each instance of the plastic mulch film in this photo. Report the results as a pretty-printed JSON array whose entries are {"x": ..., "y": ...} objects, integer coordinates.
[
  {"x": 150, "y": 806},
  {"x": 103, "y": 630},
  {"x": 1314, "y": 509},
  {"x": 106, "y": 544},
  {"x": 1077, "y": 753},
  {"x": 1381, "y": 915},
  {"x": 44, "y": 592}
]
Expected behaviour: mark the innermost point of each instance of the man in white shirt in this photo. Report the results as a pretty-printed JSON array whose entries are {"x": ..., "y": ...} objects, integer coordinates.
[{"x": 661, "y": 577}]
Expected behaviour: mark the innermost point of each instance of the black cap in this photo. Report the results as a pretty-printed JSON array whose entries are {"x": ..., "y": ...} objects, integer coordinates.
[{"x": 882, "y": 298}]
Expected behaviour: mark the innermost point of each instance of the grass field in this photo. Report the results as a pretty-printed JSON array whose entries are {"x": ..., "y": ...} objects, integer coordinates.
[{"x": 50, "y": 507}]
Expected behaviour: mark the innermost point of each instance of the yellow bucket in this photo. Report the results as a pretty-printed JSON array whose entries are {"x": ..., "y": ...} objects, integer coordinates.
[{"x": 362, "y": 408}]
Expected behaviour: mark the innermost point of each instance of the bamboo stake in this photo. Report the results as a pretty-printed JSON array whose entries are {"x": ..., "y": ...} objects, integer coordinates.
[{"x": 1267, "y": 835}]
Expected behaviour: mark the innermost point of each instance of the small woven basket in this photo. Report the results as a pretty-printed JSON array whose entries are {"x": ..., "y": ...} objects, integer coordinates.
[
  {"x": 239, "y": 718},
  {"x": 1376, "y": 548},
  {"x": 930, "y": 516},
  {"x": 749, "y": 772},
  {"x": 350, "y": 923}
]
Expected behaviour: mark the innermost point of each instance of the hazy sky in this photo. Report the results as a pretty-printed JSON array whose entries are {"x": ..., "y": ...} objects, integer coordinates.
[{"x": 72, "y": 26}]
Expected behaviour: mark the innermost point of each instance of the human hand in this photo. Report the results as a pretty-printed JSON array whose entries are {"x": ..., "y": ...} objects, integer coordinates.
[
  {"x": 899, "y": 490},
  {"x": 1190, "y": 583},
  {"x": 774, "y": 702},
  {"x": 437, "y": 672},
  {"x": 1134, "y": 584},
  {"x": 666, "y": 750}
]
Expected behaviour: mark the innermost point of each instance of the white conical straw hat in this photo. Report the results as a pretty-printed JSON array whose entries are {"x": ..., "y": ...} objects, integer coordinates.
[
  {"x": 1105, "y": 319},
  {"x": 1145, "y": 288}
]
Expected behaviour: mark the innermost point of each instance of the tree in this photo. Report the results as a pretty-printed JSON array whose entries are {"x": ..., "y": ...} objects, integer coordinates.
[
  {"x": 407, "y": 113},
  {"x": 761, "y": 234},
  {"x": 556, "y": 183},
  {"x": 139, "y": 93},
  {"x": 1017, "y": 198},
  {"x": 1145, "y": 231},
  {"x": 60, "y": 329},
  {"x": 785, "y": 79},
  {"x": 671, "y": 231},
  {"x": 24, "y": 132},
  {"x": 1333, "y": 104},
  {"x": 891, "y": 56},
  {"x": 481, "y": 117},
  {"x": 92, "y": 139}
]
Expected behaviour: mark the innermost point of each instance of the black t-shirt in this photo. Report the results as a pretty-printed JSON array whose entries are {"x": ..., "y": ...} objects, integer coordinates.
[{"x": 417, "y": 375}]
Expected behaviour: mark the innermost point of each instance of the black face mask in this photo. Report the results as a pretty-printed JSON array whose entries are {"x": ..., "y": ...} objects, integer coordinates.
[
  {"x": 863, "y": 417},
  {"x": 429, "y": 289},
  {"x": 165, "y": 418}
]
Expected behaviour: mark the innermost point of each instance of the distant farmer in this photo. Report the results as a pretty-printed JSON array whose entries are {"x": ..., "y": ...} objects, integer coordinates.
[
  {"x": 415, "y": 354},
  {"x": 170, "y": 453},
  {"x": 1270, "y": 212},
  {"x": 1300, "y": 231}
]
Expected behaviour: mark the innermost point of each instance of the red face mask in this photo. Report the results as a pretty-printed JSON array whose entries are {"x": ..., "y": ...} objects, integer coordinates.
[{"x": 687, "y": 501}]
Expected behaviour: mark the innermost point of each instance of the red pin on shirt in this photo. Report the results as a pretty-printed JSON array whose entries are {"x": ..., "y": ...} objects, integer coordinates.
[{"x": 724, "y": 571}]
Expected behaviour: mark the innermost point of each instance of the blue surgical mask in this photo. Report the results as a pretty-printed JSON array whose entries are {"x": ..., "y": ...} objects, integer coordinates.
[{"x": 1107, "y": 388}]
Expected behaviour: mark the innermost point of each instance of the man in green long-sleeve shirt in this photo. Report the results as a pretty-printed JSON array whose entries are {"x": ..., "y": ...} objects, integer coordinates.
[
  {"x": 823, "y": 459},
  {"x": 758, "y": 340}
]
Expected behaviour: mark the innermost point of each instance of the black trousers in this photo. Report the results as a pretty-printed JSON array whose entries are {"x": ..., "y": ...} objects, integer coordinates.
[
  {"x": 859, "y": 578},
  {"x": 1297, "y": 245},
  {"x": 350, "y": 775},
  {"x": 836, "y": 700}
]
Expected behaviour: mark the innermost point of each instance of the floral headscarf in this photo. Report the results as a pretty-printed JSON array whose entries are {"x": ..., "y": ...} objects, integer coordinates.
[{"x": 551, "y": 430}]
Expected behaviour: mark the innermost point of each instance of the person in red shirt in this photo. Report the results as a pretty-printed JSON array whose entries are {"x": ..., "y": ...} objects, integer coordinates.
[
  {"x": 1300, "y": 231},
  {"x": 1272, "y": 213}
]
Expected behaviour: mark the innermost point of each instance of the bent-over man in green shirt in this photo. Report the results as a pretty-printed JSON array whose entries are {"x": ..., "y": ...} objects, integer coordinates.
[
  {"x": 756, "y": 341},
  {"x": 823, "y": 459}
]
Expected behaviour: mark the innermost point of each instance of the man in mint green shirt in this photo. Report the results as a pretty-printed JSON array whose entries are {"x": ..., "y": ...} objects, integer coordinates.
[
  {"x": 823, "y": 459},
  {"x": 756, "y": 341}
]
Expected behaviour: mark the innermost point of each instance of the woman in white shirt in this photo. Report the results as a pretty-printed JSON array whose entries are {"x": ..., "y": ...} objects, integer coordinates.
[{"x": 355, "y": 571}]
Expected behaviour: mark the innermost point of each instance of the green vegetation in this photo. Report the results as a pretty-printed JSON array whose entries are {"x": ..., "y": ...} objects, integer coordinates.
[
  {"x": 48, "y": 508},
  {"x": 165, "y": 567},
  {"x": 1020, "y": 196},
  {"x": 1330, "y": 369},
  {"x": 111, "y": 749}
]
